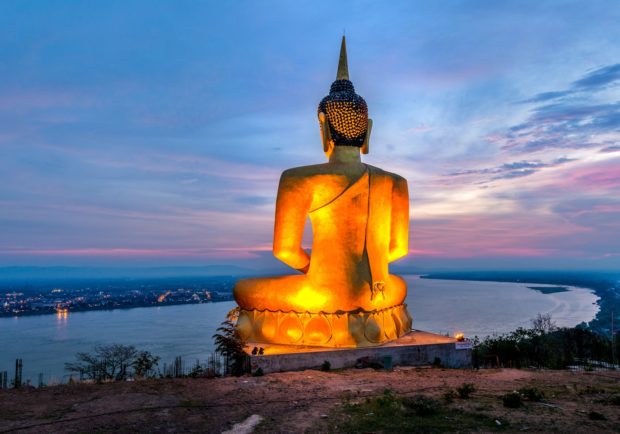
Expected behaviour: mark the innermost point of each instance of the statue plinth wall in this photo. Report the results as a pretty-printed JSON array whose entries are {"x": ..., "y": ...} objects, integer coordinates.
[{"x": 416, "y": 348}]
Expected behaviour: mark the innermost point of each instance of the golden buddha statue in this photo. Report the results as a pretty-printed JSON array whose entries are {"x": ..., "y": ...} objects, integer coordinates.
[{"x": 344, "y": 295}]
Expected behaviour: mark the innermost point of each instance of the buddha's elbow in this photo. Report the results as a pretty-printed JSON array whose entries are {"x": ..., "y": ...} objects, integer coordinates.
[
  {"x": 398, "y": 252},
  {"x": 294, "y": 258},
  {"x": 283, "y": 254},
  {"x": 280, "y": 253}
]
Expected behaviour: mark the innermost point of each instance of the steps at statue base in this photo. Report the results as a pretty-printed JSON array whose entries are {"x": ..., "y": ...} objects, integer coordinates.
[{"x": 416, "y": 348}]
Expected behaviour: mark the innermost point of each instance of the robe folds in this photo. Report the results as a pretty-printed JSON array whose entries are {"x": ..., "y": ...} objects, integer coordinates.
[{"x": 351, "y": 235}]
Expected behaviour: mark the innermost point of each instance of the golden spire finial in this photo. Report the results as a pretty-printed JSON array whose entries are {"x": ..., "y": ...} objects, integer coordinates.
[{"x": 343, "y": 66}]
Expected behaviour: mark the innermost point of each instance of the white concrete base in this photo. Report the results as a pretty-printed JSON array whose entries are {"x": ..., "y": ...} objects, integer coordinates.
[{"x": 413, "y": 349}]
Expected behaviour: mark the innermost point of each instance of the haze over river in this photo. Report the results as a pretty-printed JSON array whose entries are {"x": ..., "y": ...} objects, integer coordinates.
[{"x": 46, "y": 342}]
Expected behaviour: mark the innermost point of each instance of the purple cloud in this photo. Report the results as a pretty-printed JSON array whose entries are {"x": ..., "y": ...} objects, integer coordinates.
[
  {"x": 599, "y": 78},
  {"x": 515, "y": 169}
]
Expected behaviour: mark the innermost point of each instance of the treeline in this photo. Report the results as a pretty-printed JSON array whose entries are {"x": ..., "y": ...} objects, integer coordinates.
[{"x": 545, "y": 345}]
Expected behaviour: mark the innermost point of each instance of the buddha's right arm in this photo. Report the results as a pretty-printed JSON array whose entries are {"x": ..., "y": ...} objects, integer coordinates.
[
  {"x": 292, "y": 208},
  {"x": 399, "y": 228}
]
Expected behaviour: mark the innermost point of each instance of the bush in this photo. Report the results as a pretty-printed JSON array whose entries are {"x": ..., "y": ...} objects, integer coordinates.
[
  {"x": 512, "y": 399},
  {"x": 595, "y": 415},
  {"x": 144, "y": 364},
  {"x": 422, "y": 405},
  {"x": 231, "y": 345},
  {"x": 532, "y": 394},
  {"x": 326, "y": 366},
  {"x": 465, "y": 390},
  {"x": 198, "y": 370},
  {"x": 544, "y": 345},
  {"x": 258, "y": 373},
  {"x": 392, "y": 413},
  {"x": 449, "y": 396}
]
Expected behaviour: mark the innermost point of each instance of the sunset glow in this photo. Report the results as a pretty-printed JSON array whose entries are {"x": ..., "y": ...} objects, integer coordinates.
[{"x": 127, "y": 146}]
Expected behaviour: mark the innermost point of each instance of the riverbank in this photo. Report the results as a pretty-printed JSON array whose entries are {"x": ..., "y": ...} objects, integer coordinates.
[
  {"x": 317, "y": 401},
  {"x": 606, "y": 286}
]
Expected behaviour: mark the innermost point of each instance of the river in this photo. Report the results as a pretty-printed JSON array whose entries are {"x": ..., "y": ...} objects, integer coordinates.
[{"x": 46, "y": 342}]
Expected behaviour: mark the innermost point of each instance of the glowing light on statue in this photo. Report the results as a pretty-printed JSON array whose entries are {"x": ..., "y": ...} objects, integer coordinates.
[{"x": 344, "y": 295}]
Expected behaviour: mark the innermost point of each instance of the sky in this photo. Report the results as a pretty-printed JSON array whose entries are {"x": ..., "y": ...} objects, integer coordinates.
[{"x": 139, "y": 133}]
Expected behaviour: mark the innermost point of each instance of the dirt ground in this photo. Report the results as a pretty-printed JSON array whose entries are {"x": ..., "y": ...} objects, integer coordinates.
[{"x": 308, "y": 401}]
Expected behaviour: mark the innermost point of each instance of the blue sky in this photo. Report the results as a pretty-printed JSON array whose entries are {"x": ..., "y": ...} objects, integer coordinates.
[{"x": 154, "y": 133}]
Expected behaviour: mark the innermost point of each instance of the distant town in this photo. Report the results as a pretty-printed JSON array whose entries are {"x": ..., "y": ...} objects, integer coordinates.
[{"x": 73, "y": 295}]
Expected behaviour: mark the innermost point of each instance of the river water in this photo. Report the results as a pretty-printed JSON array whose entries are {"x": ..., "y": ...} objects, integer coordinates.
[{"x": 46, "y": 342}]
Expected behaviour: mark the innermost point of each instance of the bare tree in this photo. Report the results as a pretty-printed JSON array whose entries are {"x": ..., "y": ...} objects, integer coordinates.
[
  {"x": 543, "y": 323},
  {"x": 108, "y": 362}
]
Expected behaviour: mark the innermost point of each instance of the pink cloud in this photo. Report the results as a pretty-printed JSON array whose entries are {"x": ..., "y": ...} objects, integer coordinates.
[
  {"x": 419, "y": 129},
  {"x": 526, "y": 235}
]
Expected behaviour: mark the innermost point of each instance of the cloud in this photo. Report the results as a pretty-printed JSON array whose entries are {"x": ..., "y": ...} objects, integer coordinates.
[
  {"x": 562, "y": 126},
  {"x": 571, "y": 118},
  {"x": 599, "y": 78},
  {"x": 515, "y": 169},
  {"x": 610, "y": 149},
  {"x": 520, "y": 233},
  {"x": 546, "y": 96},
  {"x": 594, "y": 81}
]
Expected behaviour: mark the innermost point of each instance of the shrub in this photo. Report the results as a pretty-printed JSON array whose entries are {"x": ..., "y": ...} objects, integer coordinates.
[
  {"x": 326, "y": 366},
  {"x": 422, "y": 405},
  {"x": 449, "y": 396},
  {"x": 512, "y": 399},
  {"x": 258, "y": 373},
  {"x": 231, "y": 345},
  {"x": 532, "y": 394},
  {"x": 144, "y": 364},
  {"x": 465, "y": 390},
  {"x": 197, "y": 370},
  {"x": 544, "y": 345},
  {"x": 595, "y": 415}
]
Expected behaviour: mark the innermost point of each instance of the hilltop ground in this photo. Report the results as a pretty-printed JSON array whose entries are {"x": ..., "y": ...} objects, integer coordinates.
[{"x": 315, "y": 401}]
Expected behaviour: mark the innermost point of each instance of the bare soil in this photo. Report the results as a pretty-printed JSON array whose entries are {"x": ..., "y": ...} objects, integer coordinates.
[{"x": 310, "y": 401}]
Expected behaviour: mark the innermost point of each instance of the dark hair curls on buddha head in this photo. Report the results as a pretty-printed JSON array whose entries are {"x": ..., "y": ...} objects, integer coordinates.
[{"x": 346, "y": 112}]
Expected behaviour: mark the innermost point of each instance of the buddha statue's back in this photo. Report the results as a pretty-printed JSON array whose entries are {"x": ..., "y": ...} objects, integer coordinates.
[{"x": 344, "y": 295}]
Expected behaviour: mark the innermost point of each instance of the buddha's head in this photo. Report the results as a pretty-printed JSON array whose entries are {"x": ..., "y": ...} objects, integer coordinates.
[{"x": 343, "y": 114}]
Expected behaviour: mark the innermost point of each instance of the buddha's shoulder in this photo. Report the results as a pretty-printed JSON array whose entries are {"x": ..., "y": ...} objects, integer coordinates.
[
  {"x": 317, "y": 170},
  {"x": 308, "y": 171},
  {"x": 381, "y": 172}
]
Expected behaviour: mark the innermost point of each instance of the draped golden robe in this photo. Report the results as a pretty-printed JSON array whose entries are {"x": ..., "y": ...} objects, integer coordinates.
[{"x": 347, "y": 297}]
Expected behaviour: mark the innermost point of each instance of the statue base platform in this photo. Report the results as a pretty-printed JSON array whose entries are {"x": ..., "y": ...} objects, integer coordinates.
[
  {"x": 415, "y": 348},
  {"x": 343, "y": 329}
]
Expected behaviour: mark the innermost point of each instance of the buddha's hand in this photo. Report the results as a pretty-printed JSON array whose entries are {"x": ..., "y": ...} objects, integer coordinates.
[
  {"x": 304, "y": 269},
  {"x": 376, "y": 289}
]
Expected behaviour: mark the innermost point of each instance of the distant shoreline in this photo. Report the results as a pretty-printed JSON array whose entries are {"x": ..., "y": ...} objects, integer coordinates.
[{"x": 95, "y": 309}]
